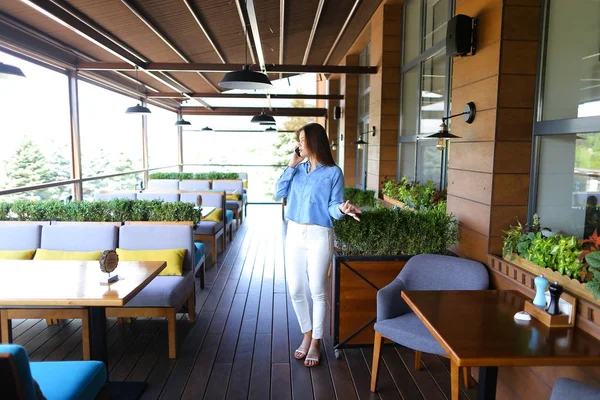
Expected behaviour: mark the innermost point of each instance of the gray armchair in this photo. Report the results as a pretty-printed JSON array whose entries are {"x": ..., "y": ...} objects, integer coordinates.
[
  {"x": 395, "y": 319},
  {"x": 568, "y": 389}
]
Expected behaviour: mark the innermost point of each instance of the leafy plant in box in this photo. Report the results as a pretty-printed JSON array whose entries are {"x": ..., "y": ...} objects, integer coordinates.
[
  {"x": 566, "y": 252},
  {"x": 593, "y": 260}
]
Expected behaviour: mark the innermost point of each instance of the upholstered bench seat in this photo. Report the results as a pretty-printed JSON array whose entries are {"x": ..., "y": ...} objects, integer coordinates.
[
  {"x": 228, "y": 216},
  {"x": 233, "y": 204},
  {"x": 208, "y": 228},
  {"x": 200, "y": 252},
  {"x": 412, "y": 333},
  {"x": 165, "y": 291},
  {"x": 62, "y": 380}
]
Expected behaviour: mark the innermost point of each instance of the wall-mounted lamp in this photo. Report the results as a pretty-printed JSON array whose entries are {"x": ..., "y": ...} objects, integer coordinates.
[
  {"x": 333, "y": 145},
  {"x": 442, "y": 135},
  {"x": 360, "y": 143}
]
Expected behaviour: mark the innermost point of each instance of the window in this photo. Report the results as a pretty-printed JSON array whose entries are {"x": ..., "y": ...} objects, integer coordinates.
[
  {"x": 36, "y": 131},
  {"x": 162, "y": 137},
  {"x": 111, "y": 141},
  {"x": 425, "y": 90},
  {"x": 364, "y": 98},
  {"x": 566, "y": 185}
]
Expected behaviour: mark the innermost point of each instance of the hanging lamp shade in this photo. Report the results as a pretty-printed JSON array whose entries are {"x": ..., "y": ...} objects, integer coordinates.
[
  {"x": 271, "y": 129},
  {"x": 262, "y": 117},
  {"x": 182, "y": 122},
  {"x": 138, "y": 109},
  {"x": 267, "y": 123},
  {"x": 10, "y": 71},
  {"x": 245, "y": 79},
  {"x": 206, "y": 128}
]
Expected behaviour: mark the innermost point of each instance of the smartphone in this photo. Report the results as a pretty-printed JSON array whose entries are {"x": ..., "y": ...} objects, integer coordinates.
[{"x": 297, "y": 150}]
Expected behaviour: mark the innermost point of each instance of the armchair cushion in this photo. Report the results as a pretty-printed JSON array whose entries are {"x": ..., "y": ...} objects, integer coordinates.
[
  {"x": 165, "y": 291},
  {"x": 409, "y": 331},
  {"x": 233, "y": 204},
  {"x": 215, "y": 216},
  {"x": 390, "y": 303},
  {"x": 228, "y": 216},
  {"x": 173, "y": 257},
  {"x": 568, "y": 389},
  {"x": 60, "y": 380},
  {"x": 233, "y": 196},
  {"x": 16, "y": 254}
]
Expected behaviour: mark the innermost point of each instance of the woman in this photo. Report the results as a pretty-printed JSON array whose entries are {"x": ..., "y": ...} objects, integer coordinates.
[{"x": 315, "y": 194}]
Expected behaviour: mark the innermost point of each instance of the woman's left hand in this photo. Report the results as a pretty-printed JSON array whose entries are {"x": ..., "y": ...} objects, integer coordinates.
[{"x": 350, "y": 209}]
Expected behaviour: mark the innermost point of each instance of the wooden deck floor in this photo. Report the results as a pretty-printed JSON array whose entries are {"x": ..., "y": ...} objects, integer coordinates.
[{"x": 241, "y": 346}]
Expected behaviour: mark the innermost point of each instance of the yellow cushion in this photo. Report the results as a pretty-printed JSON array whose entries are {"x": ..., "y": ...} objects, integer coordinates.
[
  {"x": 245, "y": 183},
  {"x": 43, "y": 254},
  {"x": 215, "y": 216},
  {"x": 16, "y": 254},
  {"x": 173, "y": 257},
  {"x": 234, "y": 196}
]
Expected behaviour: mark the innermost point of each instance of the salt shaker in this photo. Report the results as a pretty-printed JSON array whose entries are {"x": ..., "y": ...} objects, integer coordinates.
[{"x": 541, "y": 284}]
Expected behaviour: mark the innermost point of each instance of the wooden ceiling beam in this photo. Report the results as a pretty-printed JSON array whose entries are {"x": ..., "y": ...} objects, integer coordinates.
[
  {"x": 251, "y": 111},
  {"x": 204, "y": 30},
  {"x": 281, "y": 31},
  {"x": 244, "y": 22},
  {"x": 313, "y": 31},
  {"x": 344, "y": 27},
  {"x": 204, "y": 67},
  {"x": 173, "y": 95},
  {"x": 138, "y": 13}
]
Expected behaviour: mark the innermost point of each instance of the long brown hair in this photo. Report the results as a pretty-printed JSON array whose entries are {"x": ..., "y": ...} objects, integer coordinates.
[{"x": 317, "y": 142}]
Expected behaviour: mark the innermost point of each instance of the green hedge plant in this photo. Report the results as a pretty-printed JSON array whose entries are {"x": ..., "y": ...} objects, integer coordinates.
[
  {"x": 416, "y": 195},
  {"x": 396, "y": 231},
  {"x": 360, "y": 198},
  {"x": 191, "y": 175}
]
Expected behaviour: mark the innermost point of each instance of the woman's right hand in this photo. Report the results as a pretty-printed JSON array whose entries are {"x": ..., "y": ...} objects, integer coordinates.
[{"x": 296, "y": 159}]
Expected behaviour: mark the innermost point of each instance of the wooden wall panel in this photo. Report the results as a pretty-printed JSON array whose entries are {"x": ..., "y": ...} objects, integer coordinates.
[
  {"x": 489, "y": 13},
  {"x": 482, "y": 129},
  {"x": 516, "y": 91},
  {"x": 473, "y": 245},
  {"x": 510, "y": 189},
  {"x": 522, "y": 23},
  {"x": 504, "y": 216},
  {"x": 471, "y": 214},
  {"x": 470, "y": 185},
  {"x": 519, "y": 57},
  {"x": 512, "y": 157},
  {"x": 515, "y": 124},
  {"x": 483, "y": 93},
  {"x": 472, "y": 156},
  {"x": 483, "y": 65}
]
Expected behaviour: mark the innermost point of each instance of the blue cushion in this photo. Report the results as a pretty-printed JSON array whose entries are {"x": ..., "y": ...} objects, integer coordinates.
[
  {"x": 244, "y": 197},
  {"x": 19, "y": 355},
  {"x": 69, "y": 380},
  {"x": 199, "y": 252},
  {"x": 228, "y": 215},
  {"x": 409, "y": 331}
]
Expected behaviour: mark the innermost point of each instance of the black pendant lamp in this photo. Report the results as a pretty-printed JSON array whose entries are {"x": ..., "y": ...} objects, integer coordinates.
[
  {"x": 182, "y": 122},
  {"x": 262, "y": 118},
  {"x": 245, "y": 79},
  {"x": 138, "y": 108},
  {"x": 206, "y": 128},
  {"x": 10, "y": 71},
  {"x": 271, "y": 129}
]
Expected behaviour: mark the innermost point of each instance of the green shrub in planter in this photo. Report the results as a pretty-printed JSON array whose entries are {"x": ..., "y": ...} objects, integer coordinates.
[
  {"x": 360, "y": 198},
  {"x": 390, "y": 232},
  {"x": 4, "y": 210}
]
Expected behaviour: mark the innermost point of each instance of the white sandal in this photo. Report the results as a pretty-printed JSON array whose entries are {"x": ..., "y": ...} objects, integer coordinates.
[{"x": 312, "y": 358}]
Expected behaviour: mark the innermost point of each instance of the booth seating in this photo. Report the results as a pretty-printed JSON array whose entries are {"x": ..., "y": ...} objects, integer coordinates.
[
  {"x": 164, "y": 295},
  {"x": 115, "y": 195},
  {"x": 167, "y": 197},
  {"x": 209, "y": 230},
  {"x": 21, "y": 379},
  {"x": 81, "y": 237},
  {"x": 233, "y": 188},
  {"x": 194, "y": 185},
  {"x": 163, "y": 184}
]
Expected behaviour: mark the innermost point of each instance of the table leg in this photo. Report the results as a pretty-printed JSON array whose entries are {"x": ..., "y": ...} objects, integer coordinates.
[
  {"x": 99, "y": 352},
  {"x": 487, "y": 383},
  {"x": 454, "y": 380}
]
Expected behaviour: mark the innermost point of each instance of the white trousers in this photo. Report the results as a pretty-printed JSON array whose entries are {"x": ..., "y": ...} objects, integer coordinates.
[{"x": 308, "y": 250}]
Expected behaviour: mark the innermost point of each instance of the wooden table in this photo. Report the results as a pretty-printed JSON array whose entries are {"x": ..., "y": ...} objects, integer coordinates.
[
  {"x": 77, "y": 284},
  {"x": 477, "y": 329}
]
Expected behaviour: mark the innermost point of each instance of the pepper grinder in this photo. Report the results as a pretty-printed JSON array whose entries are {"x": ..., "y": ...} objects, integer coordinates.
[
  {"x": 555, "y": 292},
  {"x": 541, "y": 284}
]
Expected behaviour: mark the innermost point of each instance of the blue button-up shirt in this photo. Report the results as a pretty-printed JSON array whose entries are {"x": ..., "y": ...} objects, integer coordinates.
[{"x": 312, "y": 197}]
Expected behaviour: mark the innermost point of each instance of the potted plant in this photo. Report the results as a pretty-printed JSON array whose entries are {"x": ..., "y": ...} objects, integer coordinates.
[
  {"x": 370, "y": 254},
  {"x": 413, "y": 195}
]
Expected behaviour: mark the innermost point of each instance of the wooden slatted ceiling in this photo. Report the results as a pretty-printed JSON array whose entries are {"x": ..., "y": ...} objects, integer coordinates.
[
  {"x": 299, "y": 17},
  {"x": 360, "y": 20},
  {"x": 333, "y": 16},
  {"x": 267, "y": 14}
]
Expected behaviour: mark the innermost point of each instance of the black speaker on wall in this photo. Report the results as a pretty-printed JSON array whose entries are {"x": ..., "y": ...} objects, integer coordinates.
[
  {"x": 460, "y": 36},
  {"x": 337, "y": 112}
]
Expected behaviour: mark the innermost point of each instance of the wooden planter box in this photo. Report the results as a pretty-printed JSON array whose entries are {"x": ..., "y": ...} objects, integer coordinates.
[
  {"x": 354, "y": 285},
  {"x": 393, "y": 202},
  {"x": 518, "y": 275},
  {"x": 572, "y": 286}
]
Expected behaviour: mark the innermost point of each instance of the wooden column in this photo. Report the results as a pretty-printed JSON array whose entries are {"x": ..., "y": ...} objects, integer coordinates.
[
  {"x": 333, "y": 87},
  {"x": 349, "y": 88},
  {"x": 75, "y": 134},
  {"x": 488, "y": 177},
  {"x": 321, "y": 89},
  {"x": 386, "y": 53}
]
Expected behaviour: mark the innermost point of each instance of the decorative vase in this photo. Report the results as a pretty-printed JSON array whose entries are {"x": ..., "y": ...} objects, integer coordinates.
[{"x": 541, "y": 284}]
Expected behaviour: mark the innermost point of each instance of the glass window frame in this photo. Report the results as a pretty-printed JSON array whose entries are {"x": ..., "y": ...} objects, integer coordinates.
[
  {"x": 417, "y": 62},
  {"x": 571, "y": 126},
  {"x": 364, "y": 93}
]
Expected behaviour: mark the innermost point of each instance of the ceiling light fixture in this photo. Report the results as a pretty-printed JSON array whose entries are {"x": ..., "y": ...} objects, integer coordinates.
[
  {"x": 443, "y": 134},
  {"x": 262, "y": 117},
  {"x": 138, "y": 108},
  {"x": 206, "y": 128},
  {"x": 271, "y": 129},
  {"x": 182, "y": 122},
  {"x": 10, "y": 71}
]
